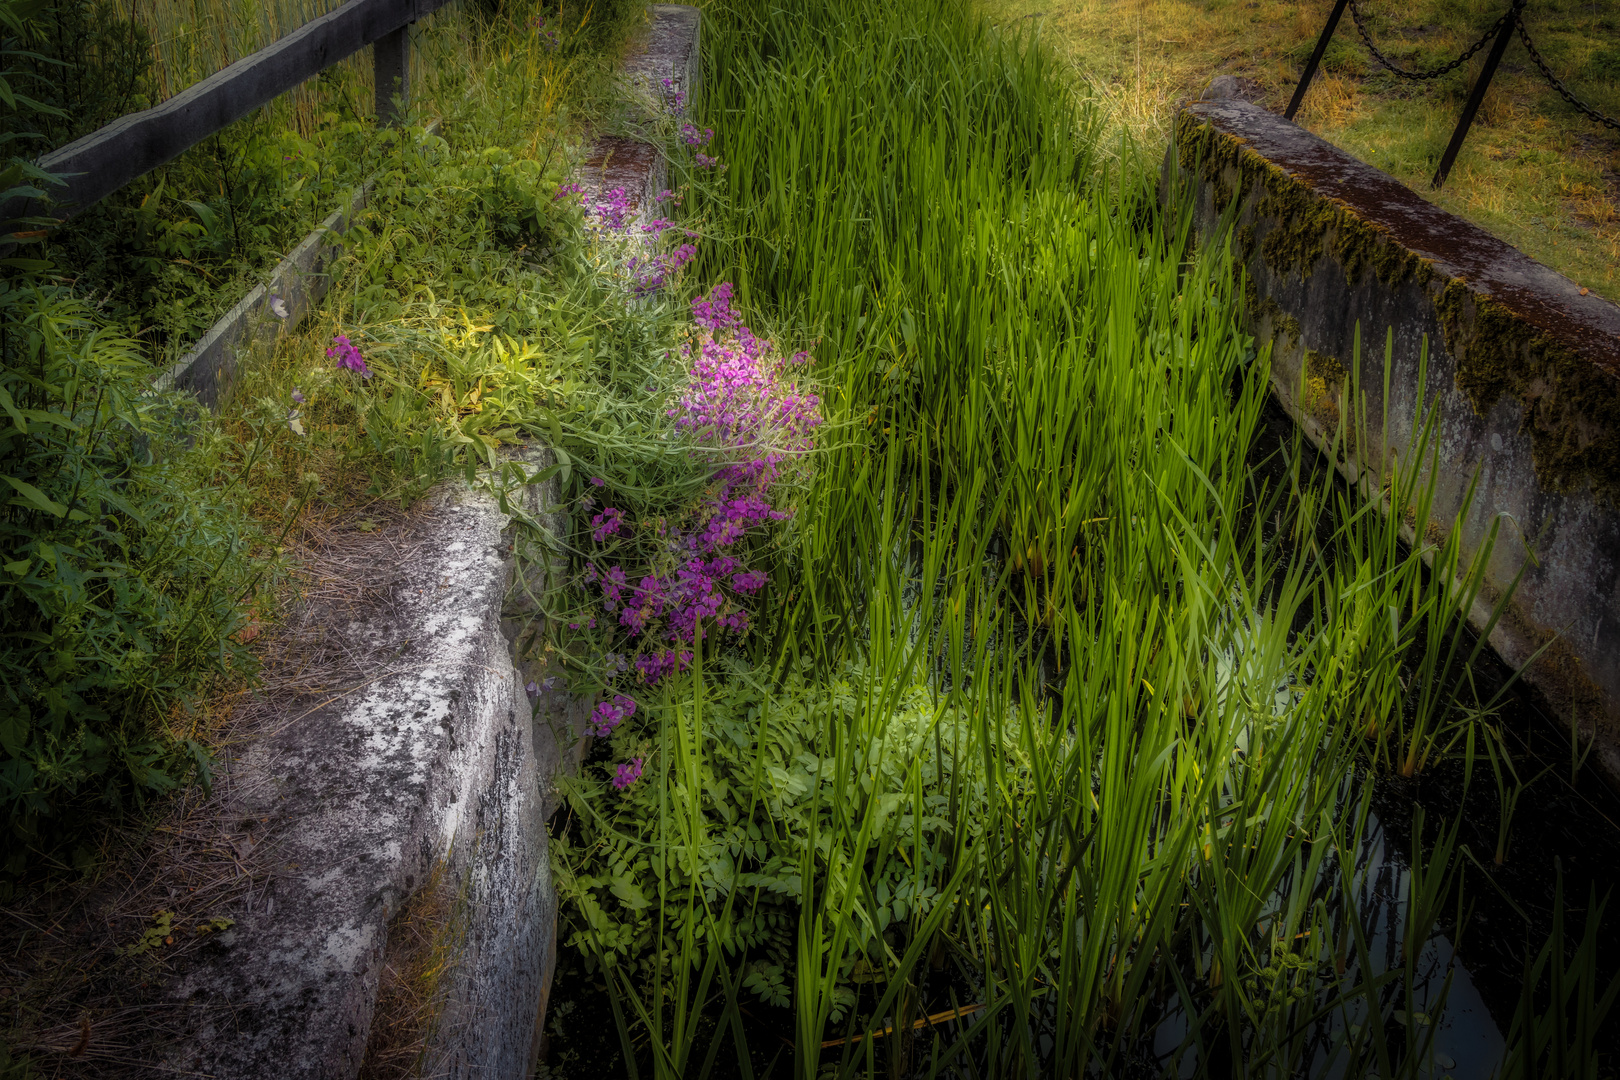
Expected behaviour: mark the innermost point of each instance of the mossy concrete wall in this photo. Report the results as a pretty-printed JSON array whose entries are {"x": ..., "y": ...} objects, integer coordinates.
[{"x": 1523, "y": 365}]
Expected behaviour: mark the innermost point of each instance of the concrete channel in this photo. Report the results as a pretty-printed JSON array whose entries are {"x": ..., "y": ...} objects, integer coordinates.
[{"x": 1523, "y": 366}]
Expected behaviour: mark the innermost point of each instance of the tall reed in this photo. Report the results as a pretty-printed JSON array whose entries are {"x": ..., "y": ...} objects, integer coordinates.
[{"x": 1134, "y": 825}]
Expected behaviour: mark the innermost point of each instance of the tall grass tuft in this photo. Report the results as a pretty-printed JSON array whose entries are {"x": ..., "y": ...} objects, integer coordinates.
[{"x": 1131, "y": 830}]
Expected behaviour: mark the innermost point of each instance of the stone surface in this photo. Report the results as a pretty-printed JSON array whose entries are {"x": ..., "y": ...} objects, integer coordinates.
[
  {"x": 431, "y": 758},
  {"x": 1522, "y": 365},
  {"x": 668, "y": 50},
  {"x": 442, "y": 749}
]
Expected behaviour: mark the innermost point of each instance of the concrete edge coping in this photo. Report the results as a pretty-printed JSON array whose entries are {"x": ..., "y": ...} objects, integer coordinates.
[
  {"x": 298, "y": 281},
  {"x": 1581, "y": 320}
]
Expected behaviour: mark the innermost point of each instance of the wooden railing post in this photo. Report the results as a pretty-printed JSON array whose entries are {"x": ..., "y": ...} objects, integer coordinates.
[{"x": 391, "y": 65}]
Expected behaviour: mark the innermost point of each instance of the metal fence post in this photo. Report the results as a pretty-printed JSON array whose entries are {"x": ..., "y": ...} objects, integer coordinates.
[
  {"x": 1316, "y": 58},
  {"x": 1503, "y": 36},
  {"x": 391, "y": 60}
]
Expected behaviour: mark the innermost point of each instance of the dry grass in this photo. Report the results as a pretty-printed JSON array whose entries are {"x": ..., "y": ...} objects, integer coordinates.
[
  {"x": 424, "y": 939},
  {"x": 88, "y": 953},
  {"x": 1533, "y": 172}
]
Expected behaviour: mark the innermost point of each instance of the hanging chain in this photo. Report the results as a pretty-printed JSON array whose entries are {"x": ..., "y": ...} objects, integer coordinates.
[
  {"x": 1524, "y": 36},
  {"x": 1511, "y": 13},
  {"x": 1563, "y": 91}
]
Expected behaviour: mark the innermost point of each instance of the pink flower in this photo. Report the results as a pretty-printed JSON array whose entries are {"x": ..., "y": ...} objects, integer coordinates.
[
  {"x": 627, "y": 774},
  {"x": 347, "y": 356}
]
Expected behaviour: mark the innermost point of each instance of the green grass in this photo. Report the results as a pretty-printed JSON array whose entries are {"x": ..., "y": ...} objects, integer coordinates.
[
  {"x": 1154, "y": 675},
  {"x": 1533, "y": 171}
]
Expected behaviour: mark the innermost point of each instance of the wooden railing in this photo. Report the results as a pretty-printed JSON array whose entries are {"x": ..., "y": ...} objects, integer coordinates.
[{"x": 132, "y": 146}]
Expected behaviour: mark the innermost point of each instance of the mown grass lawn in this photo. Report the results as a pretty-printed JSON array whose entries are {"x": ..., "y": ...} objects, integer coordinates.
[{"x": 1534, "y": 171}]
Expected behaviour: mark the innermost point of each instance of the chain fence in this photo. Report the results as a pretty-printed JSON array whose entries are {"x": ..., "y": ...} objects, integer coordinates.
[
  {"x": 1435, "y": 73},
  {"x": 1563, "y": 91},
  {"x": 1515, "y": 14}
]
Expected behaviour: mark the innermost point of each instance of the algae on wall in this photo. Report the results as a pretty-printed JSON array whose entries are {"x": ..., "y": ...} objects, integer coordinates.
[{"x": 1571, "y": 405}]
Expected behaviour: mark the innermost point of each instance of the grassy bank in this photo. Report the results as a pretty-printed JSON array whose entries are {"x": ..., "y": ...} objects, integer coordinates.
[{"x": 1533, "y": 171}]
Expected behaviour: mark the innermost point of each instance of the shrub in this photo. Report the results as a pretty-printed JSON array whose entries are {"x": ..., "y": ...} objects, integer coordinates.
[{"x": 119, "y": 571}]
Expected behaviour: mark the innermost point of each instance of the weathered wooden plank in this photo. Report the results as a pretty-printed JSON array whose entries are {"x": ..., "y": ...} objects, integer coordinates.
[{"x": 131, "y": 146}]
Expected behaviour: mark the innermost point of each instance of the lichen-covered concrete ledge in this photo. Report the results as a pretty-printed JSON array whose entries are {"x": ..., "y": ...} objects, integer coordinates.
[
  {"x": 431, "y": 758},
  {"x": 1523, "y": 363}
]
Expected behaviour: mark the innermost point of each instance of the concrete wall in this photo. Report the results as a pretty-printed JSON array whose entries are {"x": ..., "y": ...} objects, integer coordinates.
[
  {"x": 435, "y": 761},
  {"x": 1523, "y": 364},
  {"x": 431, "y": 757}
]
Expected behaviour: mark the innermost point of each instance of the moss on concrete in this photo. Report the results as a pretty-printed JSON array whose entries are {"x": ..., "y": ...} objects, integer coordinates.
[
  {"x": 1572, "y": 407},
  {"x": 1324, "y": 379}
]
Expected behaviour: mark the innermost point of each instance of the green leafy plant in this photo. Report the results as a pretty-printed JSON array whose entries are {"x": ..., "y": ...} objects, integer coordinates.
[{"x": 120, "y": 573}]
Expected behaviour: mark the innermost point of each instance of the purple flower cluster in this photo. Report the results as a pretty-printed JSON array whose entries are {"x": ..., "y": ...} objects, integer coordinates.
[
  {"x": 610, "y": 714},
  {"x": 742, "y": 407},
  {"x": 674, "y": 97},
  {"x": 713, "y": 312},
  {"x": 347, "y": 356},
  {"x": 614, "y": 210},
  {"x": 694, "y": 136},
  {"x": 628, "y": 773},
  {"x": 649, "y": 275},
  {"x": 653, "y": 666},
  {"x": 606, "y": 524},
  {"x": 740, "y": 397},
  {"x": 567, "y": 191},
  {"x": 704, "y": 161}
]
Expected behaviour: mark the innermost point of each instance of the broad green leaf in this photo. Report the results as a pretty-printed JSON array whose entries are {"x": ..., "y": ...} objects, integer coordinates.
[{"x": 32, "y": 496}]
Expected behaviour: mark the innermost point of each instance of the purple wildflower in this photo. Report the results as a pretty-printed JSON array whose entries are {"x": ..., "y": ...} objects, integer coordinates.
[
  {"x": 615, "y": 209},
  {"x": 674, "y": 96},
  {"x": 653, "y": 666},
  {"x": 347, "y": 356},
  {"x": 628, "y": 774},
  {"x": 606, "y": 523},
  {"x": 610, "y": 714}
]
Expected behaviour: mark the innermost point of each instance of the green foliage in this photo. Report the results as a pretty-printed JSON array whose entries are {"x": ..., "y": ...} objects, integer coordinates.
[
  {"x": 171, "y": 252},
  {"x": 466, "y": 335},
  {"x": 1155, "y": 667},
  {"x": 600, "y": 27},
  {"x": 88, "y": 64},
  {"x": 769, "y": 783},
  {"x": 120, "y": 572}
]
